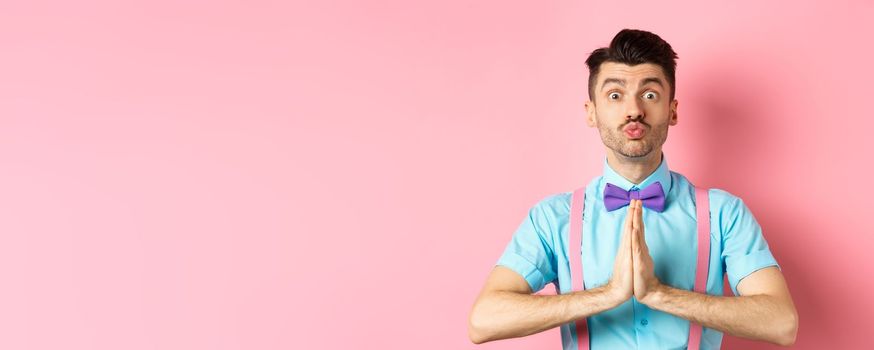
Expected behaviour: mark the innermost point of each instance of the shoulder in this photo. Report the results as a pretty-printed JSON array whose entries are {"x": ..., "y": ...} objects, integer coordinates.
[
  {"x": 731, "y": 214},
  {"x": 719, "y": 198},
  {"x": 548, "y": 214},
  {"x": 555, "y": 204},
  {"x": 725, "y": 205},
  {"x": 722, "y": 199},
  {"x": 553, "y": 209}
]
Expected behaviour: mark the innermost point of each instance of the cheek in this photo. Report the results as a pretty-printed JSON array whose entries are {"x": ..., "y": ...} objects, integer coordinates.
[
  {"x": 609, "y": 114},
  {"x": 658, "y": 114}
]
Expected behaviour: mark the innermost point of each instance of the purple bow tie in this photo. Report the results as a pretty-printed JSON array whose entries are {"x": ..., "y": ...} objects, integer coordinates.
[{"x": 653, "y": 197}]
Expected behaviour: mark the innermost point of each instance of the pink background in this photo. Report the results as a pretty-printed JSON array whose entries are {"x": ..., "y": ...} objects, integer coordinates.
[{"x": 337, "y": 174}]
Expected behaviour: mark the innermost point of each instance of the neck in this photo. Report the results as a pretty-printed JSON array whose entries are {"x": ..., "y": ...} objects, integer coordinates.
[{"x": 634, "y": 169}]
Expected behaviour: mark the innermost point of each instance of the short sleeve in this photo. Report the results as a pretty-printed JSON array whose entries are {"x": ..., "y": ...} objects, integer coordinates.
[
  {"x": 529, "y": 251},
  {"x": 744, "y": 247}
]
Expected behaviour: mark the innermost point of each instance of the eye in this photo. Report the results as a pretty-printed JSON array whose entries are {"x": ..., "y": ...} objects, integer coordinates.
[
  {"x": 613, "y": 96},
  {"x": 650, "y": 95}
]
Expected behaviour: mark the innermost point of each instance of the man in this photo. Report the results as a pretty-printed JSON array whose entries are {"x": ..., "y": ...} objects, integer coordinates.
[{"x": 639, "y": 262}]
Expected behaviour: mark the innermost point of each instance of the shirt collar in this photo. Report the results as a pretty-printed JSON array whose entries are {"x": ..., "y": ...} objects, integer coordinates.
[{"x": 662, "y": 174}]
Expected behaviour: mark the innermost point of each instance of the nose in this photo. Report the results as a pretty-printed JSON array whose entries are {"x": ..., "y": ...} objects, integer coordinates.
[{"x": 633, "y": 109}]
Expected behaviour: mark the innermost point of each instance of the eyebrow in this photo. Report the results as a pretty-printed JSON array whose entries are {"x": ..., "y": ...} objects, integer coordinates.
[
  {"x": 612, "y": 80},
  {"x": 622, "y": 81},
  {"x": 652, "y": 80}
]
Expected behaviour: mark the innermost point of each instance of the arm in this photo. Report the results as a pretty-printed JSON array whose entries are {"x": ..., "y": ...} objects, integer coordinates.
[
  {"x": 506, "y": 308},
  {"x": 764, "y": 311}
]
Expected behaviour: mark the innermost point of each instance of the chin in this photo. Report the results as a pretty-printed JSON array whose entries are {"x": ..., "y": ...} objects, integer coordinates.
[{"x": 638, "y": 154}]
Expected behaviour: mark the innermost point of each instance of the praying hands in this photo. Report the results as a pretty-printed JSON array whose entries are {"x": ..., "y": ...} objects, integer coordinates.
[{"x": 633, "y": 269}]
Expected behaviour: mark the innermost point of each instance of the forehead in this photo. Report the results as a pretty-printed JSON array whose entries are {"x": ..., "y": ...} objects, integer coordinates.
[{"x": 631, "y": 74}]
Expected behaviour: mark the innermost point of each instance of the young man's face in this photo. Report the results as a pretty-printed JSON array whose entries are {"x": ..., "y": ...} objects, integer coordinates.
[{"x": 632, "y": 108}]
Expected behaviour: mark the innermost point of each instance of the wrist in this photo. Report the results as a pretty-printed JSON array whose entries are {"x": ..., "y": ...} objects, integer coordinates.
[
  {"x": 654, "y": 296},
  {"x": 615, "y": 296}
]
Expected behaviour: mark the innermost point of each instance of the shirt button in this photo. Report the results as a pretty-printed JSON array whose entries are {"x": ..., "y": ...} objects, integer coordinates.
[{"x": 644, "y": 322}]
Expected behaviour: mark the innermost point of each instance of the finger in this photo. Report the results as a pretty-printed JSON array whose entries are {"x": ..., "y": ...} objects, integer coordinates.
[
  {"x": 638, "y": 214},
  {"x": 627, "y": 226},
  {"x": 640, "y": 226},
  {"x": 633, "y": 205},
  {"x": 641, "y": 229},
  {"x": 642, "y": 241},
  {"x": 625, "y": 239},
  {"x": 629, "y": 218}
]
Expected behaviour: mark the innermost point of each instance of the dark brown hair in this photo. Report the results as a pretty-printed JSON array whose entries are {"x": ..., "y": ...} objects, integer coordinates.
[{"x": 633, "y": 47}]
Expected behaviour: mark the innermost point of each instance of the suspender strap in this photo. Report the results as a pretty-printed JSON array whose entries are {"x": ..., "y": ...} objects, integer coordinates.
[
  {"x": 575, "y": 240},
  {"x": 702, "y": 206}
]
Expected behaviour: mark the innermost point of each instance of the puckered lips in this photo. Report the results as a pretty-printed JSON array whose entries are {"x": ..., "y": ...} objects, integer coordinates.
[{"x": 634, "y": 130}]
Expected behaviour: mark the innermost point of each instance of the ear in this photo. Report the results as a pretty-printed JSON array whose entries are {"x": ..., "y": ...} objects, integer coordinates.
[
  {"x": 591, "y": 116},
  {"x": 673, "y": 120}
]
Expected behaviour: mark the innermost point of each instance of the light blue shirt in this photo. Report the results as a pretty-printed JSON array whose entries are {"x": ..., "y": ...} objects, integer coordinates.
[{"x": 538, "y": 252}]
